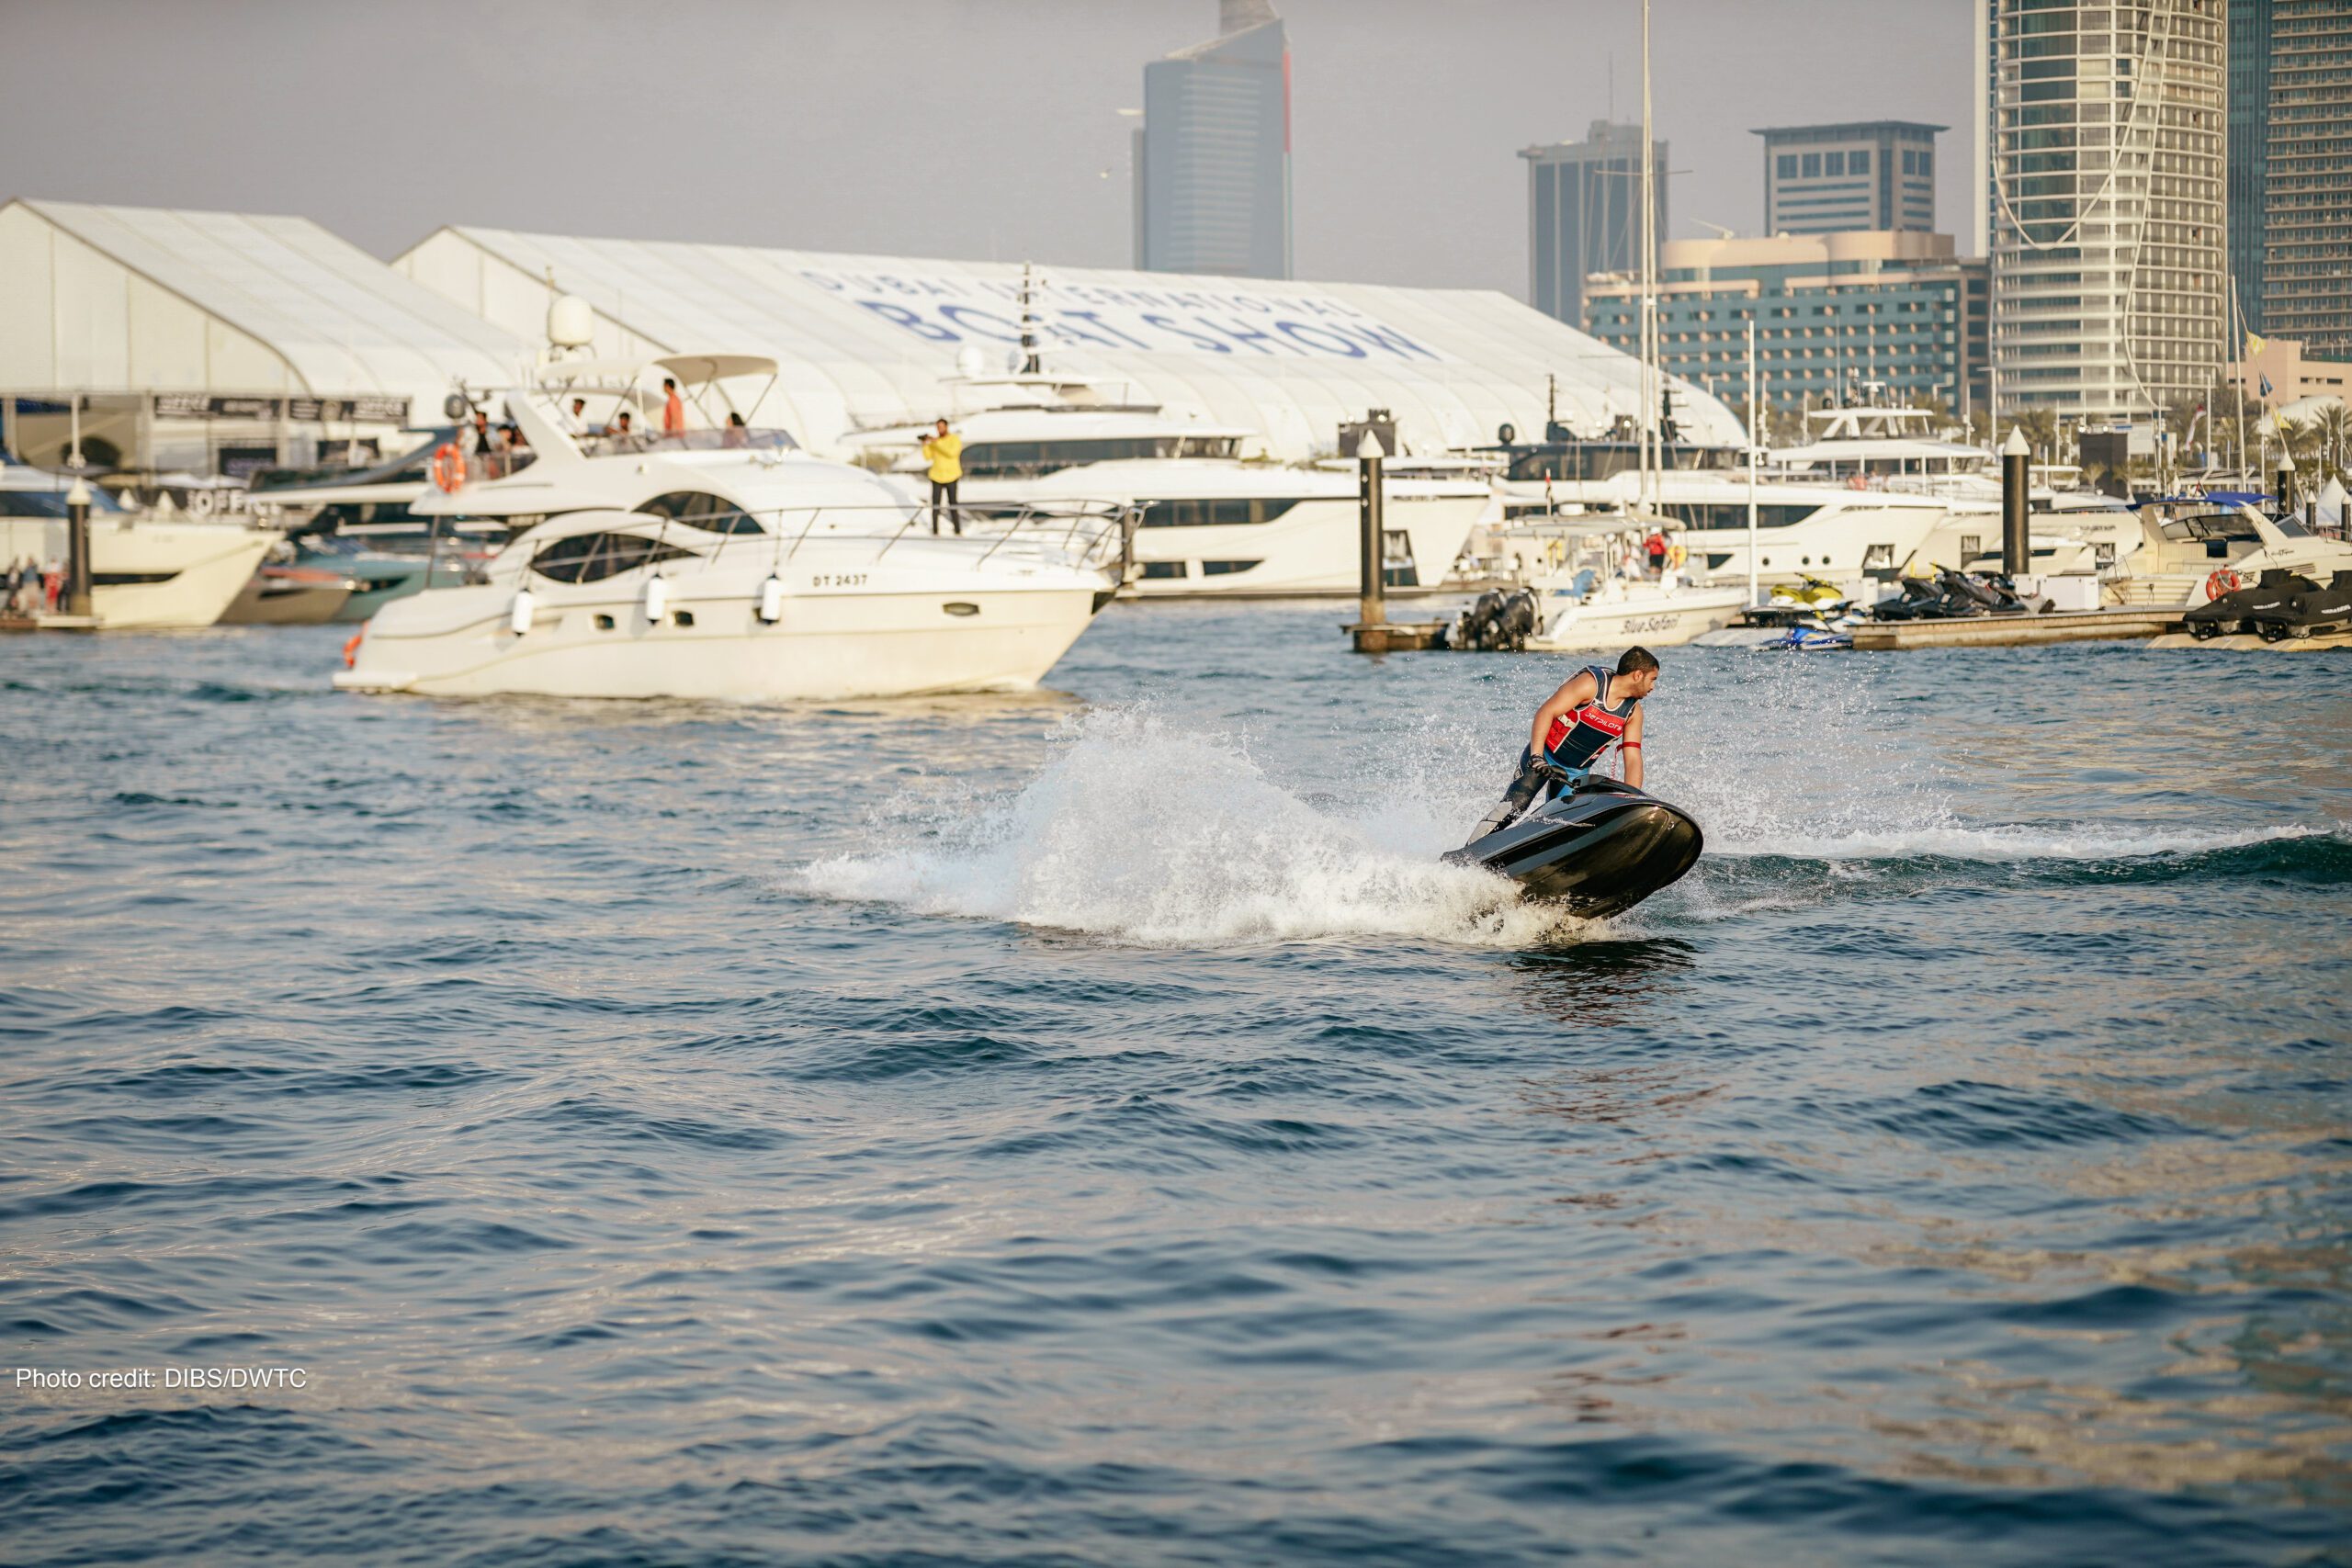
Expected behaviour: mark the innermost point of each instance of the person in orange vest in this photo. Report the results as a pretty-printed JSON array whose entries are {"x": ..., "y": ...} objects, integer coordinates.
[
  {"x": 673, "y": 409},
  {"x": 945, "y": 451}
]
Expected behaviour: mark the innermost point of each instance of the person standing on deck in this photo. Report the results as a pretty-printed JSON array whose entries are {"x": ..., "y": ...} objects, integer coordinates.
[
  {"x": 944, "y": 450},
  {"x": 673, "y": 409}
]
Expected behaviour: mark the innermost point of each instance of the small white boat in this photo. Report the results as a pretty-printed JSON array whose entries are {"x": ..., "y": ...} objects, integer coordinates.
[
  {"x": 1590, "y": 600},
  {"x": 146, "y": 572}
]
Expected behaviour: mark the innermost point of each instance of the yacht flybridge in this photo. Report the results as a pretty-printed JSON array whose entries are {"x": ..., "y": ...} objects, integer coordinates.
[{"x": 719, "y": 561}]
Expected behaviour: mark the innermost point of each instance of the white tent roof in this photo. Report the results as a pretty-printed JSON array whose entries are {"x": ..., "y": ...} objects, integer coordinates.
[
  {"x": 864, "y": 340},
  {"x": 328, "y": 318}
]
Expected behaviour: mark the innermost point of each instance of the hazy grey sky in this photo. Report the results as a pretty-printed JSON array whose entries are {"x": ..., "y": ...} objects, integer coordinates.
[{"x": 946, "y": 128}]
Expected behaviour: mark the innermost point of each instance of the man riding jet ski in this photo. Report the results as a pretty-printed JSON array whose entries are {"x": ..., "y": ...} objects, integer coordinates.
[{"x": 1591, "y": 844}]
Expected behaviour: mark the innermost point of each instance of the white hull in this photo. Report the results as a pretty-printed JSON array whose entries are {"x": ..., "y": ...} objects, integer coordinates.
[
  {"x": 1839, "y": 544},
  {"x": 200, "y": 567},
  {"x": 919, "y": 617},
  {"x": 1646, "y": 616},
  {"x": 1316, "y": 547}
]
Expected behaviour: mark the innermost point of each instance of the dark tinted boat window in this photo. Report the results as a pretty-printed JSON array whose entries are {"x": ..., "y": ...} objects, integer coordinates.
[
  {"x": 592, "y": 558},
  {"x": 1214, "y": 512},
  {"x": 702, "y": 510}
]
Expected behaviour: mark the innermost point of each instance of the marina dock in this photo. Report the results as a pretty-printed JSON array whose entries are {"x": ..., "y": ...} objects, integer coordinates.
[{"x": 2017, "y": 631}]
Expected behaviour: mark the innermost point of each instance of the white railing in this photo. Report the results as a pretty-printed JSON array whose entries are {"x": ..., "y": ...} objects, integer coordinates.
[{"x": 1075, "y": 533}]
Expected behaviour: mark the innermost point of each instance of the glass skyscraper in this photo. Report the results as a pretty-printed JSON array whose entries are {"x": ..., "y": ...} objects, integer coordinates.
[
  {"x": 2110, "y": 220},
  {"x": 1583, "y": 213},
  {"x": 2249, "y": 147},
  {"x": 1212, "y": 158},
  {"x": 2306, "y": 279}
]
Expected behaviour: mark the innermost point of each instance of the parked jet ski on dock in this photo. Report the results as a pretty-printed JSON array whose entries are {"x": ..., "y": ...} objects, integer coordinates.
[
  {"x": 1600, "y": 849},
  {"x": 2271, "y": 597},
  {"x": 2318, "y": 611}
]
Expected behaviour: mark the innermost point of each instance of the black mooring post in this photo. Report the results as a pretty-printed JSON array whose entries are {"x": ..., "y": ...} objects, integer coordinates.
[
  {"x": 2017, "y": 478},
  {"x": 77, "y": 547},
  {"x": 1375, "y": 609}
]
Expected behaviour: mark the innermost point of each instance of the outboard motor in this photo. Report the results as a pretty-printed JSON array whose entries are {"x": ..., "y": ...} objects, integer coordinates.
[{"x": 1497, "y": 622}]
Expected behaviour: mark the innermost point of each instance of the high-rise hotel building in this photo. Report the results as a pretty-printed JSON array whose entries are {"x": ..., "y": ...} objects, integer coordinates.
[
  {"x": 2108, "y": 223},
  {"x": 2306, "y": 236}
]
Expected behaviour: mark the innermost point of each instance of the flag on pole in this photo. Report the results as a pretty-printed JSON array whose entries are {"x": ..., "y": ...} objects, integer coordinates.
[{"x": 2254, "y": 345}]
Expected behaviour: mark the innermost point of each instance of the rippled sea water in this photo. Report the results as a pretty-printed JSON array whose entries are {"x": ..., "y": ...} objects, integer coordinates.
[{"x": 1089, "y": 1129}]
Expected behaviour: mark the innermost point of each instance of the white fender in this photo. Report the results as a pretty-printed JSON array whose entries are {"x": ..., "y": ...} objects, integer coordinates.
[
  {"x": 771, "y": 600},
  {"x": 657, "y": 597},
  {"x": 518, "y": 615}
]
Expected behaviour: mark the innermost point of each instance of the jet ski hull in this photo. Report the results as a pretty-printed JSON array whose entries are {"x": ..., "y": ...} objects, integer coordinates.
[
  {"x": 1599, "y": 852},
  {"x": 2242, "y": 609}
]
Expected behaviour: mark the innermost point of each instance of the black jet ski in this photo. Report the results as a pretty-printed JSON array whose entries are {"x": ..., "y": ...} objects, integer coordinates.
[
  {"x": 2234, "y": 611},
  {"x": 1601, "y": 850},
  {"x": 2307, "y": 611}
]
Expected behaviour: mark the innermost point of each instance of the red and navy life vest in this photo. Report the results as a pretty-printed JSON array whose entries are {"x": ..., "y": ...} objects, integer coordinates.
[{"x": 1580, "y": 735}]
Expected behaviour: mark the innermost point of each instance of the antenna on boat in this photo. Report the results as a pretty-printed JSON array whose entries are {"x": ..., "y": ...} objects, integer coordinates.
[{"x": 1030, "y": 364}]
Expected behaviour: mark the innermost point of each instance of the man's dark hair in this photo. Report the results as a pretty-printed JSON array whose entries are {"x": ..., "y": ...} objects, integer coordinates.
[
  {"x": 669, "y": 383},
  {"x": 1633, "y": 660}
]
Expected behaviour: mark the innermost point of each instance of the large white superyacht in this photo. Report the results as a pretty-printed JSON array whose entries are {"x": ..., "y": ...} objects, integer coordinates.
[{"x": 1218, "y": 517}]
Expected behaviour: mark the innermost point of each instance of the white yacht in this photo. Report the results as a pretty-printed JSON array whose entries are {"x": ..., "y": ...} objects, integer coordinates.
[
  {"x": 720, "y": 563},
  {"x": 151, "y": 572},
  {"x": 1217, "y": 519},
  {"x": 1227, "y": 528},
  {"x": 2194, "y": 553}
]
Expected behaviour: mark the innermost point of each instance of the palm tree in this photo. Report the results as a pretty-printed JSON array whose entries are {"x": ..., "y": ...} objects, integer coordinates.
[
  {"x": 2040, "y": 427},
  {"x": 2334, "y": 425}
]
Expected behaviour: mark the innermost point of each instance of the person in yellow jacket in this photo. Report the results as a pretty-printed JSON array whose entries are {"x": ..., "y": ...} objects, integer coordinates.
[{"x": 945, "y": 451}]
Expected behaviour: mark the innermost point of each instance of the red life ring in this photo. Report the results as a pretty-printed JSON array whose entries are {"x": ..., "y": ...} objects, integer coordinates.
[
  {"x": 351, "y": 648},
  {"x": 449, "y": 466},
  {"x": 2223, "y": 581}
]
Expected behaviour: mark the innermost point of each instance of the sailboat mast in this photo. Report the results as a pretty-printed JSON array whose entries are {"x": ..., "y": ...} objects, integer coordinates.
[{"x": 1650, "y": 382}]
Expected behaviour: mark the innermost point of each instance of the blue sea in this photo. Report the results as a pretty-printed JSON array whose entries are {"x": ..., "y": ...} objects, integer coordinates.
[{"x": 1090, "y": 1127}]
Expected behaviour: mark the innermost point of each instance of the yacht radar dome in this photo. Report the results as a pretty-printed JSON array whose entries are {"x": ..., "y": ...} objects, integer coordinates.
[
  {"x": 571, "y": 322},
  {"x": 971, "y": 363}
]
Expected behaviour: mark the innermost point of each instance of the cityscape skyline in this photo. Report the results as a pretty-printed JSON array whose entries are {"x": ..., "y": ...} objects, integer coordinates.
[{"x": 971, "y": 162}]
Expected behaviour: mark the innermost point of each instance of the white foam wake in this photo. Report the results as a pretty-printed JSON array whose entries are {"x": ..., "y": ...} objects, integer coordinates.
[
  {"x": 1159, "y": 833},
  {"x": 1958, "y": 842},
  {"x": 1144, "y": 834}
]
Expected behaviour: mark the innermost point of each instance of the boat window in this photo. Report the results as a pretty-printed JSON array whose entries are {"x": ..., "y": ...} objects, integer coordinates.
[
  {"x": 699, "y": 508},
  {"x": 1227, "y": 568},
  {"x": 1163, "y": 569},
  {"x": 1733, "y": 515},
  {"x": 2209, "y": 527},
  {"x": 1216, "y": 511},
  {"x": 592, "y": 558},
  {"x": 1020, "y": 459}
]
